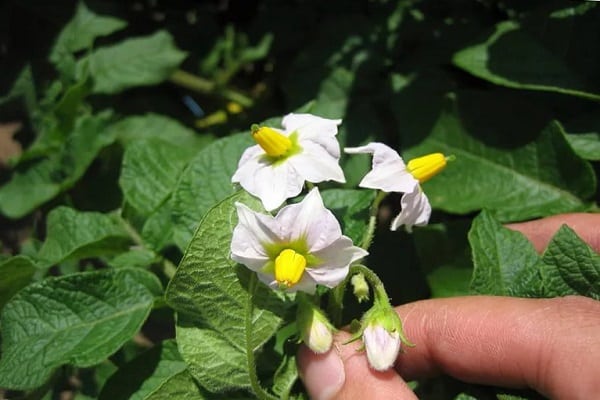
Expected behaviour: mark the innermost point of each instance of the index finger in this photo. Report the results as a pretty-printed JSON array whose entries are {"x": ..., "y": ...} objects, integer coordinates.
[{"x": 550, "y": 345}]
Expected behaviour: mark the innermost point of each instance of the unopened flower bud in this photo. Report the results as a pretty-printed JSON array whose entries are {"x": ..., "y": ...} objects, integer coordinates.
[
  {"x": 382, "y": 346},
  {"x": 315, "y": 328},
  {"x": 360, "y": 287},
  {"x": 382, "y": 336}
]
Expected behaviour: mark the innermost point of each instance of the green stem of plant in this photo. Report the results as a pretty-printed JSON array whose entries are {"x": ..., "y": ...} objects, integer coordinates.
[
  {"x": 168, "y": 268},
  {"x": 379, "y": 293},
  {"x": 370, "y": 232},
  {"x": 133, "y": 233},
  {"x": 335, "y": 304},
  {"x": 205, "y": 86},
  {"x": 251, "y": 362}
]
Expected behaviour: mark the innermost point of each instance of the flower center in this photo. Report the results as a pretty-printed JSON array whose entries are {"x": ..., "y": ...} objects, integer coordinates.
[
  {"x": 289, "y": 267},
  {"x": 272, "y": 142},
  {"x": 426, "y": 167}
]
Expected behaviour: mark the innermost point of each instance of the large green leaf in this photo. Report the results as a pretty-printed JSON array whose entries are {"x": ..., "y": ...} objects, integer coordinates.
[
  {"x": 222, "y": 309},
  {"x": 75, "y": 234},
  {"x": 586, "y": 145},
  {"x": 23, "y": 87},
  {"x": 140, "y": 378},
  {"x": 150, "y": 171},
  {"x": 179, "y": 387},
  {"x": 444, "y": 257},
  {"x": 206, "y": 181},
  {"x": 133, "y": 128},
  {"x": 570, "y": 266},
  {"x": 141, "y": 61},
  {"x": 505, "y": 262},
  {"x": 15, "y": 274},
  {"x": 351, "y": 207},
  {"x": 514, "y": 179},
  {"x": 43, "y": 180},
  {"x": 81, "y": 31},
  {"x": 512, "y": 57},
  {"x": 78, "y": 319}
]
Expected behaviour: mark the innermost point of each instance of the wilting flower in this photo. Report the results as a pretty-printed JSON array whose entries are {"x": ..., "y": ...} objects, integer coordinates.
[
  {"x": 300, "y": 247},
  {"x": 277, "y": 166},
  {"x": 315, "y": 329},
  {"x": 390, "y": 174}
]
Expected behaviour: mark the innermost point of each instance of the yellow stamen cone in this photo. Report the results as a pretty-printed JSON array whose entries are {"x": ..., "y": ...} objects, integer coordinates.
[
  {"x": 289, "y": 267},
  {"x": 272, "y": 142},
  {"x": 426, "y": 167}
]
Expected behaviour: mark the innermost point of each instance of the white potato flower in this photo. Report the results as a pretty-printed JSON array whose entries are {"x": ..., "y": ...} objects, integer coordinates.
[
  {"x": 300, "y": 247},
  {"x": 276, "y": 168},
  {"x": 389, "y": 173}
]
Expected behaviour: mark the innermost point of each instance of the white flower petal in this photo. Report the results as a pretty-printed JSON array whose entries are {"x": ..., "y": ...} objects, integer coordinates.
[
  {"x": 272, "y": 184},
  {"x": 340, "y": 253},
  {"x": 416, "y": 210},
  {"x": 336, "y": 259},
  {"x": 253, "y": 229},
  {"x": 316, "y": 129},
  {"x": 316, "y": 165},
  {"x": 382, "y": 347},
  {"x": 388, "y": 172},
  {"x": 310, "y": 220}
]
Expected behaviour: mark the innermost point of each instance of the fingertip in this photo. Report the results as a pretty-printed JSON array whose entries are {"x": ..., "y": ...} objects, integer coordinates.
[
  {"x": 323, "y": 374},
  {"x": 344, "y": 373}
]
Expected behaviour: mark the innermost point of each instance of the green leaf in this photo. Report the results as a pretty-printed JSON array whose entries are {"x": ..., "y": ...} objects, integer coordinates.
[
  {"x": 213, "y": 296},
  {"x": 444, "y": 256},
  {"x": 179, "y": 387},
  {"x": 137, "y": 127},
  {"x": 505, "y": 262},
  {"x": 78, "y": 319},
  {"x": 15, "y": 274},
  {"x": 512, "y": 179},
  {"x": 351, "y": 207},
  {"x": 73, "y": 234},
  {"x": 206, "y": 181},
  {"x": 42, "y": 181},
  {"x": 586, "y": 145},
  {"x": 135, "y": 62},
  {"x": 150, "y": 171},
  {"x": 23, "y": 87},
  {"x": 285, "y": 377},
  {"x": 81, "y": 31},
  {"x": 570, "y": 266},
  {"x": 157, "y": 231},
  {"x": 144, "y": 375},
  {"x": 511, "y": 57},
  {"x": 136, "y": 257},
  {"x": 449, "y": 281}
]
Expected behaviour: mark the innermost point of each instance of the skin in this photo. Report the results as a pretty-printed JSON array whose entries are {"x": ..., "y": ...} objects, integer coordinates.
[{"x": 550, "y": 345}]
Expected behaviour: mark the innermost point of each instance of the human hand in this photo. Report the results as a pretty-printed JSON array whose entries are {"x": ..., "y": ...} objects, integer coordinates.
[{"x": 550, "y": 345}]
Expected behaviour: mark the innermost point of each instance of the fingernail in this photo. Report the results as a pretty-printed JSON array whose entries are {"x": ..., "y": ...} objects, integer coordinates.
[{"x": 323, "y": 374}]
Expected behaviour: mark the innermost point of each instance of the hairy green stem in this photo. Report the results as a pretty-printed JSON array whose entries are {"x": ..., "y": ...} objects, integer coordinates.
[
  {"x": 335, "y": 304},
  {"x": 370, "y": 232},
  {"x": 378, "y": 289},
  {"x": 205, "y": 86},
  {"x": 167, "y": 267},
  {"x": 251, "y": 362}
]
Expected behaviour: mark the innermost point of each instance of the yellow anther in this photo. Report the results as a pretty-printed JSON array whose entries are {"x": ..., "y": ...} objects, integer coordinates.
[
  {"x": 272, "y": 142},
  {"x": 289, "y": 267},
  {"x": 426, "y": 167}
]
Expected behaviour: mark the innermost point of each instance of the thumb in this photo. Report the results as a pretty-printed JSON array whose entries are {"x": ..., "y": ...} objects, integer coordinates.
[{"x": 344, "y": 373}]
